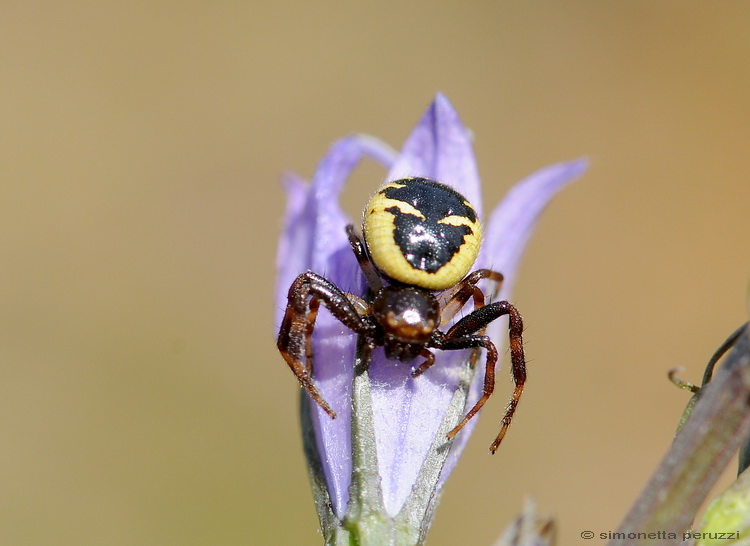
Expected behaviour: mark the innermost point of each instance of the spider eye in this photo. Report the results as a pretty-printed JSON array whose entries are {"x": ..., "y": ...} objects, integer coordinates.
[{"x": 422, "y": 233}]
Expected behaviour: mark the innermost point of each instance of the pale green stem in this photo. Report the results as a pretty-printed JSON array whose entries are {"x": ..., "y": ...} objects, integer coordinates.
[{"x": 366, "y": 521}]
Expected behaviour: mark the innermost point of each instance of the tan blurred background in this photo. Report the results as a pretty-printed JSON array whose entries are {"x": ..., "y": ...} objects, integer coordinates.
[{"x": 142, "y": 400}]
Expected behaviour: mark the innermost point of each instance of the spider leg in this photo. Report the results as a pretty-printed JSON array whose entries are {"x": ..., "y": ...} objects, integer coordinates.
[
  {"x": 371, "y": 275},
  {"x": 467, "y": 288},
  {"x": 365, "y": 347},
  {"x": 312, "y": 315},
  {"x": 461, "y": 335},
  {"x": 295, "y": 335},
  {"x": 472, "y": 341},
  {"x": 429, "y": 357}
]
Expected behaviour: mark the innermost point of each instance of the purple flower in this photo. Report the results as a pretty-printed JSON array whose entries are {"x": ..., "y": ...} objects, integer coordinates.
[{"x": 408, "y": 417}]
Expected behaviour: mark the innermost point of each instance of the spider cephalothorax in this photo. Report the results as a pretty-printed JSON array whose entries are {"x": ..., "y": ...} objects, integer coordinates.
[{"x": 422, "y": 237}]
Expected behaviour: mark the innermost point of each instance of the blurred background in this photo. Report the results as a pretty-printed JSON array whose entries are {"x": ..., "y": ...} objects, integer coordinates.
[{"x": 142, "y": 400}]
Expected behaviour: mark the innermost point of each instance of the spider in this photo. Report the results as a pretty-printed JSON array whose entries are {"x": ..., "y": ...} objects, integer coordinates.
[{"x": 421, "y": 237}]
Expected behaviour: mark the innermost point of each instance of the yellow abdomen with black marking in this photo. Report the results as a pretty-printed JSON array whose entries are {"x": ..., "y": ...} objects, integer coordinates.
[{"x": 421, "y": 233}]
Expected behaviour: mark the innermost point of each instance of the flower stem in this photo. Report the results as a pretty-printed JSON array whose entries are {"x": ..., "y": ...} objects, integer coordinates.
[
  {"x": 701, "y": 450},
  {"x": 366, "y": 520}
]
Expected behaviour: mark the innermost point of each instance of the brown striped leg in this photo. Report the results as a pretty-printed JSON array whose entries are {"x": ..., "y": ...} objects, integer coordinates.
[
  {"x": 477, "y": 321},
  {"x": 467, "y": 288},
  {"x": 307, "y": 292},
  {"x": 429, "y": 357},
  {"x": 312, "y": 315}
]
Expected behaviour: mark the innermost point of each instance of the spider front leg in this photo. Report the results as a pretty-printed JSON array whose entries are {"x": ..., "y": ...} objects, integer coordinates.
[
  {"x": 307, "y": 293},
  {"x": 462, "y": 336}
]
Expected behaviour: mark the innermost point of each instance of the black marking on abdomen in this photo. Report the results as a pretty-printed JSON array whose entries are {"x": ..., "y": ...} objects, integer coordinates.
[{"x": 426, "y": 245}]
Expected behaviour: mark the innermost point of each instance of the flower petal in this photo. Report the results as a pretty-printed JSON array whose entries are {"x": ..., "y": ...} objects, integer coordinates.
[
  {"x": 293, "y": 254},
  {"x": 439, "y": 147},
  {"x": 512, "y": 222},
  {"x": 315, "y": 238}
]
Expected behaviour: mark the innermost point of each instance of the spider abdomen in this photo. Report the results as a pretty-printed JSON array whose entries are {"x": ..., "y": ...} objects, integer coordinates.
[{"x": 422, "y": 233}]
